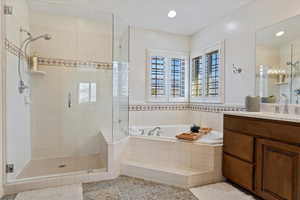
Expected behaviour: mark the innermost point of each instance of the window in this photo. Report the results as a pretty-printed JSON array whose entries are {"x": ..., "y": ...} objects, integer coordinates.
[
  {"x": 212, "y": 74},
  {"x": 168, "y": 76},
  {"x": 177, "y": 77},
  {"x": 87, "y": 92},
  {"x": 158, "y": 76},
  {"x": 197, "y": 72},
  {"x": 207, "y": 75}
]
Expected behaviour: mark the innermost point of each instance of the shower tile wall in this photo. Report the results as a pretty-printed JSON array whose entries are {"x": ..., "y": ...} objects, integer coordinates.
[
  {"x": 88, "y": 39},
  {"x": 17, "y": 111},
  {"x": 59, "y": 131}
]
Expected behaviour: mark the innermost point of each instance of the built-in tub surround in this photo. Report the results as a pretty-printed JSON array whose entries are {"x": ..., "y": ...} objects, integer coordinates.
[{"x": 173, "y": 162}]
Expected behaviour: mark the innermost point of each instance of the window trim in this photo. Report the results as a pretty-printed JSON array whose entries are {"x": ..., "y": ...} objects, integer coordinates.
[
  {"x": 220, "y": 46},
  {"x": 167, "y": 98}
]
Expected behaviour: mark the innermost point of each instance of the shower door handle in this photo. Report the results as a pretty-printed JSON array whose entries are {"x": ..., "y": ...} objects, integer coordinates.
[{"x": 69, "y": 100}]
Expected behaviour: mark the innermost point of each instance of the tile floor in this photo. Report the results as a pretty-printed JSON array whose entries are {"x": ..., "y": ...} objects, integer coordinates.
[
  {"x": 127, "y": 188},
  {"x": 61, "y": 165}
]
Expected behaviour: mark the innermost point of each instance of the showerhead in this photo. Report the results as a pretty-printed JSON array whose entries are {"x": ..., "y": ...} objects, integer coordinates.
[{"x": 45, "y": 37}]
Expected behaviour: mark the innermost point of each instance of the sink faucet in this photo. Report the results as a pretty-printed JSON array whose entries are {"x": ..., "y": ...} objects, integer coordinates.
[
  {"x": 151, "y": 132},
  {"x": 284, "y": 100}
]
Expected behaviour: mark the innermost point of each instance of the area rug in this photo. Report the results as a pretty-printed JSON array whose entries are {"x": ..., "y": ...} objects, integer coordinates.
[
  {"x": 127, "y": 188},
  {"x": 219, "y": 191},
  {"x": 69, "y": 192}
]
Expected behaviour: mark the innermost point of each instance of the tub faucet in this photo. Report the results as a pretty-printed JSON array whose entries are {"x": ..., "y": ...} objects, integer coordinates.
[
  {"x": 151, "y": 132},
  {"x": 142, "y": 131}
]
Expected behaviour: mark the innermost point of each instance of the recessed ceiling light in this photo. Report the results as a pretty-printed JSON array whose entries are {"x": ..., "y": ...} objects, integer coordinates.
[
  {"x": 280, "y": 33},
  {"x": 172, "y": 14}
]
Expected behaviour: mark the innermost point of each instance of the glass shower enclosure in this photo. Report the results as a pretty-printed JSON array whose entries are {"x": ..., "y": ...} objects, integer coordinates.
[{"x": 66, "y": 88}]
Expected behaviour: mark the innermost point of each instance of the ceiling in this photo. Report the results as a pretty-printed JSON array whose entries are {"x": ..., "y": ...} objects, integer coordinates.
[
  {"x": 266, "y": 37},
  {"x": 192, "y": 15}
]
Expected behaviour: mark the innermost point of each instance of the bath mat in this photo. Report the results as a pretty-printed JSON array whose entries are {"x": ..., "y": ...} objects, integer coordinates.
[
  {"x": 219, "y": 191},
  {"x": 68, "y": 192}
]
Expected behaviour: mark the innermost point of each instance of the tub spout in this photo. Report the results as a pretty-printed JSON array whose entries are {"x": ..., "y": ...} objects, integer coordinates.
[{"x": 151, "y": 132}]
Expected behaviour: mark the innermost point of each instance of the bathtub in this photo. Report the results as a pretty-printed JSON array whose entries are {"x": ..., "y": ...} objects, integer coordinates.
[
  {"x": 165, "y": 159},
  {"x": 169, "y": 132}
]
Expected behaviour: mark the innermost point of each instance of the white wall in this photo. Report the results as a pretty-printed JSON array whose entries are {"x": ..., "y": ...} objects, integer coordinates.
[
  {"x": 18, "y": 112},
  {"x": 141, "y": 40},
  {"x": 238, "y": 29}
]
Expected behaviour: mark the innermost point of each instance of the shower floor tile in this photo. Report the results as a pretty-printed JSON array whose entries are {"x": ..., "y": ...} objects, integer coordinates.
[{"x": 54, "y": 166}]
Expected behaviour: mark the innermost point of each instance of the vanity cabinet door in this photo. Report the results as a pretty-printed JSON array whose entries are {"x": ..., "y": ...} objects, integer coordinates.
[{"x": 278, "y": 170}]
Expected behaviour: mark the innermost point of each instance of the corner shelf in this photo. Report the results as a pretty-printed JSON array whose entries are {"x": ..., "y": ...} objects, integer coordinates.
[
  {"x": 40, "y": 73},
  {"x": 283, "y": 83}
]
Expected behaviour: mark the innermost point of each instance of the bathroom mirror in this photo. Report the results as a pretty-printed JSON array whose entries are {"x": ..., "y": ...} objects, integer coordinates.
[{"x": 278, "y": 62}]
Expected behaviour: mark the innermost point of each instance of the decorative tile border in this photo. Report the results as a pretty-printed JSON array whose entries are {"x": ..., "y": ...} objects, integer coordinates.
[
  {"x": 159, "y": 107},
  {"x": 73, "y": 63},
  {"x": 215, "y": 108},
  {"x": 181, "y": 107},
  {"x": 13, "y": 49}
]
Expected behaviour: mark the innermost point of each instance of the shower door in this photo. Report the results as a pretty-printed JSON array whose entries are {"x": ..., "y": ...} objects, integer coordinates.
[
  {"x": 62, "y": 123},
  {"x": 120, "y": 79}
]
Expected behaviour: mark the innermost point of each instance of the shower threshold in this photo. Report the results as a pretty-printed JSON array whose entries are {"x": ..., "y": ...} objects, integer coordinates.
[{"x": 53, "y": 166}]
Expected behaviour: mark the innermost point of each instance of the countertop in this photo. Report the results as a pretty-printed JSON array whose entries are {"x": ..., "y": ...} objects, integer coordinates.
[{"x": 266, "y": 115}]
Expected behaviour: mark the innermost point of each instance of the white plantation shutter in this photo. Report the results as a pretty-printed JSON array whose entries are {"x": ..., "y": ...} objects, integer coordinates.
[
  {"x": 167, "y": 76},
  {"x": 158, "y": 76},
  {"x": 197, "y": 75},
  {"x": 212, "y": 74},
  {"x": 177, "y": 77},
  {"x": 207, "y": 75}
]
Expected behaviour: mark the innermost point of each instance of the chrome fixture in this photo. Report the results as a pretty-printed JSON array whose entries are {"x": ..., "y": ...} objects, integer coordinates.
[
  {"x": 295, "y": 64},
  {"x": 142, "y": 131},
  {"x": 236, "y": 69},
  {"x": 24, "y": 45},
  {"x": 8, "y": 10},
  {"x": 69, "y": 100},
  {"x": 152, "y": 131}
]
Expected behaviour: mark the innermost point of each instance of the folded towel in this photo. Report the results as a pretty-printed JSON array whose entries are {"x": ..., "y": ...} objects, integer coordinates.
[{"x": 214, "y": 137}]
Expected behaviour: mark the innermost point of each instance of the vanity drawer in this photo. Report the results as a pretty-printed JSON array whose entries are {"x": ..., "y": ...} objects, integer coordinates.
[
  {"x": 239, "y": 145},
  {"x": 240, "y": 172},
  {"x": 277, "y": 130}
]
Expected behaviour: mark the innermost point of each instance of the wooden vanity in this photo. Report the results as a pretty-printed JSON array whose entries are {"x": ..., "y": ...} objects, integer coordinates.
[{"x": 263, "y": 156}]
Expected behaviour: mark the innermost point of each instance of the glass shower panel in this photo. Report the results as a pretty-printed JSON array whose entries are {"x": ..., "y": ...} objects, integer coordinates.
[
  {"x": 64, "y": 116},
  {"x": 120, "y": 79}
]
